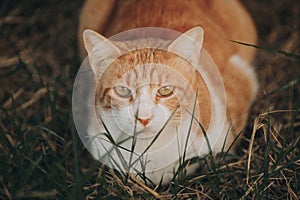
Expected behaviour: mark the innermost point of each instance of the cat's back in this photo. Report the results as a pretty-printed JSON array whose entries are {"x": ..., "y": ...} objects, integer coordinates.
[{"x": 221, "y": 20}]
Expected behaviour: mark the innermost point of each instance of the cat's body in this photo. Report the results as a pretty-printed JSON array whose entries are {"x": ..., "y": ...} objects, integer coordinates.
[{"x": 134, "y": 84}]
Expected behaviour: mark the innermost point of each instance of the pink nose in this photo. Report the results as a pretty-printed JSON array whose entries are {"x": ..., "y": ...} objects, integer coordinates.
[{"x": 144, "y": 121}]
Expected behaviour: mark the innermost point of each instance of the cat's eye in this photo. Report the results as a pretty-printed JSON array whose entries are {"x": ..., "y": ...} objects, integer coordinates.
[
  {"x": 122, "y": 91},
  {"x": 165, "y": 91}
]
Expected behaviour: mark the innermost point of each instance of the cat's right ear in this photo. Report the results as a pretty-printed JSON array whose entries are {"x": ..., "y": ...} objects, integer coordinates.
[
  {"x": 189, "y": 44},
  {"x": 99, "y": 49}
]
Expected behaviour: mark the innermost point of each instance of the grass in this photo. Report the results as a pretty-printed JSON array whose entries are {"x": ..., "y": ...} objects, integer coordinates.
[{"x": 41, "y": 155}]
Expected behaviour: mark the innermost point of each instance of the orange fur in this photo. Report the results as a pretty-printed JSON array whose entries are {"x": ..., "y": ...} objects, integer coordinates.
[
  {"x": 128, "y": 61},
  {"x": 221, "y": 20}
]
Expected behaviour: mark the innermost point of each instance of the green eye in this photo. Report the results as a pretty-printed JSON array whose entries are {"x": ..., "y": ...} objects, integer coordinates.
[
  {"x": 165, "y": 91},
  {"x": 122, "y": 91}
]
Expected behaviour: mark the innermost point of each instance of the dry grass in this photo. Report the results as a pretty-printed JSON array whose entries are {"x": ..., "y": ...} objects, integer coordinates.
[{"x": 42, "y": 156}]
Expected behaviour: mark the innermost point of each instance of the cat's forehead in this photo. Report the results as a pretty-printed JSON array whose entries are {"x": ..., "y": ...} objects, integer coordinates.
[
  {"x": 145, "y": 74},
  {"x": 147, "y": 64},
  {"x": 146, "y": 56}
]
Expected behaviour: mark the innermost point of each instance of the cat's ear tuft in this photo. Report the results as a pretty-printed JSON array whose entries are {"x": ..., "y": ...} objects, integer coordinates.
[
  {"x": 189, "y": 44},
  {"x": 93, "y": 39},
  {"x": 90, "y": 39},
  {"x": 101, "y": 51}
]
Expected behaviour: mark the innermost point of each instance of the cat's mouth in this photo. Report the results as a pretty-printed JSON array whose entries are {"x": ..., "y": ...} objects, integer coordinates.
[{"x": 145, "y": 133}]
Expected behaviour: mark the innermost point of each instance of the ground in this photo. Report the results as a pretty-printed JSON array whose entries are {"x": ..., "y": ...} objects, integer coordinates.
[{"x": 43, "y": 158}]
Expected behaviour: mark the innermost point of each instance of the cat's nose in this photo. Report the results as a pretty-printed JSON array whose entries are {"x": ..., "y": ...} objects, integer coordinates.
[{"x": 144, "y": 121}]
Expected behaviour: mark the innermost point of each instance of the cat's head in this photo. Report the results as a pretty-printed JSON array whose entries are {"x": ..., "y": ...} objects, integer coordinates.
[{"x": 144, "y": 90}]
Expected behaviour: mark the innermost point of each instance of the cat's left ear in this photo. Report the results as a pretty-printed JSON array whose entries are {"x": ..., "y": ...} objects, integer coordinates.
[
  {"x": 93, "y": 40},
  {"x": 101, "y": 51},
  {"x": 189, "y": 44}
]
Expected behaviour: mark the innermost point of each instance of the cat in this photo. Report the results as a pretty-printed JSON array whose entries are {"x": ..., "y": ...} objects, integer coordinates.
[{"x": 153, "y": 94}]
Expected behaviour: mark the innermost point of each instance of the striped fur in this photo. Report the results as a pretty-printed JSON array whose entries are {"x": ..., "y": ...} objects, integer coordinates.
[{"x": 144, "y": 72}]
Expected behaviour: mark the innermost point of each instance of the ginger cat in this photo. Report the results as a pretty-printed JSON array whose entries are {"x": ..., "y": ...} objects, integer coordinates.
[{"x": 148, "y": 93}]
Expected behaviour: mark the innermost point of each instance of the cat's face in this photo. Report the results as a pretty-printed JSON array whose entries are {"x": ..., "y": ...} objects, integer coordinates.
[
  {"x": 145, "y": 90},
  {"x": 141, "y": 93}
]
